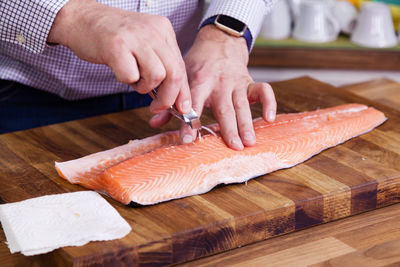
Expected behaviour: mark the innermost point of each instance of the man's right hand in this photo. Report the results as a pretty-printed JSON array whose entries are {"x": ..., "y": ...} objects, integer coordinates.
[{"x": 141, "y": 49}]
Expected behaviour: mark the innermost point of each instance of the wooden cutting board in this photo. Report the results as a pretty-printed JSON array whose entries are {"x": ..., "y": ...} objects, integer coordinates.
[{"x": 359, "y": 175}]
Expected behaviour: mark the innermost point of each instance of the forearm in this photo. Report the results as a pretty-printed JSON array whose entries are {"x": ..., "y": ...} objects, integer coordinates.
[
  {"x": 71, "y": 18},
  {"x": 28, "y": 23}
]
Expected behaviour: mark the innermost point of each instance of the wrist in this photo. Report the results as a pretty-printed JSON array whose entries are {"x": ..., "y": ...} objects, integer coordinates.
[
  {"x": 66, "y": 18},
  {"x": 218, "y": 43},
  {"x": 231, "y": 26},
  {"x": 210, "y": 33}
]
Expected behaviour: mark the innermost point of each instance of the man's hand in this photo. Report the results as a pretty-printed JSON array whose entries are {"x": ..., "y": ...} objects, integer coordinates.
[
  {"x": 141, "y": 49},
  {"x": 219, "y": 79}
]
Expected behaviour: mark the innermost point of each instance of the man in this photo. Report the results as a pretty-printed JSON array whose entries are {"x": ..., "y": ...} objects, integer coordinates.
[{"x": 87, "y": 51}]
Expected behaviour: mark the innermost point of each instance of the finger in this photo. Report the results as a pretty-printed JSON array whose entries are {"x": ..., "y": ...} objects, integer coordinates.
[
  {"x": 174, "y": 89},
  {"x": 160, "y": 119},
  {"x": 122, "y": 63},
  {"x": 199, "y": 97},
  {"x": 224, "y": 113},
  {"x": 264, "y": 93},
  {"x": 184, "y": 100},
  {"x": 243, "y": 117},
  {"x": 152, "y": 71},
  {"x": 187, "y": 134}
]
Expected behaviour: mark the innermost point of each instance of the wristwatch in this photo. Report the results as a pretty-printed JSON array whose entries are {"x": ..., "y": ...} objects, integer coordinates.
[{"x": 231, "y": 26}]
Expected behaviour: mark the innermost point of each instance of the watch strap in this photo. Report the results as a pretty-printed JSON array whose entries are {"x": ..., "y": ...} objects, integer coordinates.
[{"x": 246, "y": 35}]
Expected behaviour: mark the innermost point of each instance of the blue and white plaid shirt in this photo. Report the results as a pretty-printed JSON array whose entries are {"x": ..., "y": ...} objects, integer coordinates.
[{"x": 25, "y": 24}]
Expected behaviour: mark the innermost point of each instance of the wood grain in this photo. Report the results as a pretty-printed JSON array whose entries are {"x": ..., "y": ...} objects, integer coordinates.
[
  {"x": 294, "y": 57},
  {"x": 382, "y": 91},
  {"x": 384, "y": 254},
  {"x": 303, "y": 255},
  {"x": 362, "y": 232},
  {"x": 357, "y": 233},
  {"x": 360, "y": 175}
]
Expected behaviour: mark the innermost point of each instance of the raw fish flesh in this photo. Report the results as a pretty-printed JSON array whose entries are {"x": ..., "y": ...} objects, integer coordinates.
[{"x": 157, "y": 168}]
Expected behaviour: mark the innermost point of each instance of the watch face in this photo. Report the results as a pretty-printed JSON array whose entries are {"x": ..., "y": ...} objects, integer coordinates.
[{"x": 232, "y": 23}]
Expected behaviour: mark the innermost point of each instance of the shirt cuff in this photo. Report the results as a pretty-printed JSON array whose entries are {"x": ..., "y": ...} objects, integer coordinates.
[
  {"x": 250, "y": 12},
  {"x": 28, "y": 23}
]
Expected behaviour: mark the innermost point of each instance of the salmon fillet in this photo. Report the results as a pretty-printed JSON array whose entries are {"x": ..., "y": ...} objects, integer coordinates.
[{"x": 157, "y": 169}]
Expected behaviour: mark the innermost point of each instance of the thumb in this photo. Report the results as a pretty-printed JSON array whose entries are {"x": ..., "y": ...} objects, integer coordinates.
[{"x": 160, "y": 119}]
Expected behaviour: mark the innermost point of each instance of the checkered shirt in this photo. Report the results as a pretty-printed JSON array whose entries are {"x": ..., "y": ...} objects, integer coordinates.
[{"x": 25, "y": 25}]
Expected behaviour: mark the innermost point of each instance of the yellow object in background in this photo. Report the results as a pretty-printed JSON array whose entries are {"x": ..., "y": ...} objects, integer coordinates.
[
  {"x": 393, "y": 5},
  {"x": 395, "y": 9},
  {"x": 396, "y": 15},
  {"x": 357, "y": 3}
]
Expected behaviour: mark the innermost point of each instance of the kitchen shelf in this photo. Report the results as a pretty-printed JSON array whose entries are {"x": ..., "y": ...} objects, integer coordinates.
[{"x": 340, "y": 54}]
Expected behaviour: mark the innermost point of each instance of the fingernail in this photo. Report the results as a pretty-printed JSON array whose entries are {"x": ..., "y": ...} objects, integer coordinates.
[
  {"x": 155, "y": 117},
  {"x": 187, "y": 138},
  {"x": 236, "y": 142},
  {"x": 186, "y": 106},
  {"x": 271, "y": 116},
  {"x": 249, "y": 136}
]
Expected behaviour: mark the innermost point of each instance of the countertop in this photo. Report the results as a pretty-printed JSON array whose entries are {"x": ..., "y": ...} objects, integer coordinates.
[{"x": 368, "y": 239}]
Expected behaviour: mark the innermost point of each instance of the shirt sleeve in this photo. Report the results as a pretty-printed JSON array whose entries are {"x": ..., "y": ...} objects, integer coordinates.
[
  {"x": 250, "y": 12},
  {"x": 28, "y": 22}
]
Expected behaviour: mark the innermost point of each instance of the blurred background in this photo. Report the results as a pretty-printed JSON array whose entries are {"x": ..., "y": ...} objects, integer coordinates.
[{"x": 335, "y": 41}]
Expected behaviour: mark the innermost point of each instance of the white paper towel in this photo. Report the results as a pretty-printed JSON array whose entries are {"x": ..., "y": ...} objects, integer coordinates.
[{"x": 42, "y": 224}]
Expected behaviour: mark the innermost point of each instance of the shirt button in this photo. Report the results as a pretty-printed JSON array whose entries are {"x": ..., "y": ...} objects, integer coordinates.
[
  {"x": 20, "y": 38},
  {"x": 149, "y": 3}
]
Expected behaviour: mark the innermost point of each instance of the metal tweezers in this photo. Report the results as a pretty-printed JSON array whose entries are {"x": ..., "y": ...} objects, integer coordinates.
[{"x": 189, "y": 118}]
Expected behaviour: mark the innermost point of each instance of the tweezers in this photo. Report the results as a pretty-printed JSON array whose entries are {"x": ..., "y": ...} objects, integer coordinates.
[{"x": 189, "y": 118}]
